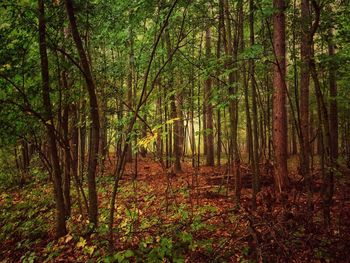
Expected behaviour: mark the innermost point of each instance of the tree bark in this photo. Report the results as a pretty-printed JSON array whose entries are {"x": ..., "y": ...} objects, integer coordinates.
[
  {"x": 305, "y": 52},
  {"x": 280, "y": 139}
]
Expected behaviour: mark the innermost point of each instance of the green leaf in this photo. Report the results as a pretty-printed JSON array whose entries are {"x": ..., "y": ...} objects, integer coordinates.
[{"x": 128, "y": 253}]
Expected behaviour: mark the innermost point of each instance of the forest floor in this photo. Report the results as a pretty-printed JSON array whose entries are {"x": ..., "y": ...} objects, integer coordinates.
[{"x": 187, "y": 217}]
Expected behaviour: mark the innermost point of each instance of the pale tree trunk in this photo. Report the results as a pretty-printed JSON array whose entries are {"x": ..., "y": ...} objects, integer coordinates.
[
  {"x": 104, "y": 147},
  {"x": 193, "y": 136},
  {"x": 218, "y": 55},
  {"x": 246, "y": 76},
  {"x": 333, "y": 107},
  {"x": 208, "y": 106},
  {"x": 159, "y": 107}
]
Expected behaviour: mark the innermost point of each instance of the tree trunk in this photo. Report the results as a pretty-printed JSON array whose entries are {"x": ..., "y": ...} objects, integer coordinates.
[
  {"x": 103, "y": 131},
  {"x": 208, "y": 106},
  {"x": 67, "y": 157},
  {"x": 173, "y": 110},
  {"x": 160, "y": 143},
  {"x": 143, "y": 150},
  {"x": 232, "y": 49},
  {"x": 333, "y": 107},
  {"x": 218, "y": 55},
  {"x": 327, "y": 161},
  {"x": 95, "y": 125},
  {"x": 82, "y": 139},
  {"x": 255, "y": 137},
  {"x": 130, "y": 86},
  {"x": 305, "y": 52},
  {"x": 57, "y": 178},
  {"x": 279, "y": 123}
]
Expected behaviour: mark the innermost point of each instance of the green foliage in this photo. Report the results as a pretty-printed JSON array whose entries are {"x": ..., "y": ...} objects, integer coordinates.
[
  {"x": 146, "y": 141},
  {"x": 123, "y": 256},
  {"x": 28, "y": 257},
  {"x": 24, "y": 218}
]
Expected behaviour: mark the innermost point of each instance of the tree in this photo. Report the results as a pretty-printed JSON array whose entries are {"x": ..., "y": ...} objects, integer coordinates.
[
  {"x": 95, "y": 125},
  {"x": 305, "y": 53},
  {"x": 279, "y": 121},
  {"x": 255, "y": 137},
  {"x": 57, "y": 176},
  {"x": 208, "y": 106},
  {"x": 333, "y": 92},
  {"x": 177, "y": 147}
]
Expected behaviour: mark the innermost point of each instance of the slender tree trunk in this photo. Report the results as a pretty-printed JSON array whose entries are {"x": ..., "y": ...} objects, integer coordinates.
[
  {"x": 255, "y": 137},
  {"x": 82, "y": 139},
  {"x": 103, "y": 130},
  {"x": 280, "y": 139},
  {"x": 180, "y": 122},
  {"x": 193, "y": 134},
  {"x": 74, "y": 150},
  {"x": 95, "y": 125},
  {"x": 130, "y": 82},
  {"x": 249, "y": 144},
  {"x": 305, "y": 52},
  {"x": 167, "y": 139},
  {"x": 232, "y": 48},
  {"x": 25, "y": 162},
  {"x": 57, "y": 178},
  {"x": 327, "y": 161},
  {"x": 143, "y": 150},
  {"x": 333, "y": 107},
  {"x": 67, "y": 158},
  {"x": 208, "y": 106},
  {"x": 218, "y": 55},
  {"x": 159, "y": 107},
  {"x": 173, "y": 111}
]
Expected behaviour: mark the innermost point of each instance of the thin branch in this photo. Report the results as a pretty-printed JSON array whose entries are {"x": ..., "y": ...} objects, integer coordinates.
[{"x": 70, "y": 58}]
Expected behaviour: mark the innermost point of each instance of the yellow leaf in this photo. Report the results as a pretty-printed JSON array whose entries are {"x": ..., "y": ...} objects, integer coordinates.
[
  {"x": 90, "y": 250},
  {"x": 171, "y": 121},
  {"x": 81, "y": 243}
]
